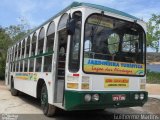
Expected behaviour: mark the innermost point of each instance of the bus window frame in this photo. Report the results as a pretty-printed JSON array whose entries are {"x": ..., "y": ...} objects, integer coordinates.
[
  {"x": 144, "y": 45},
  {"x": 31, "y": 43},
  {"x": 27, "y": 45},
  {"x": 47, "y": 36},
  {"x": 41, "y": 38}
]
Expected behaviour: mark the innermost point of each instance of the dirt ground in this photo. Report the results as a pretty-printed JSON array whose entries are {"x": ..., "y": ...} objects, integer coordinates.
[
  {"x": 153, "y": 89},
  {"x": 24, "y": 104},
  {"x": 20, "y": 104}
]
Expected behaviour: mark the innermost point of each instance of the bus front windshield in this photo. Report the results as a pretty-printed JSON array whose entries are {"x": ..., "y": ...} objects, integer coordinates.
[{"x": 113, "y": 46}]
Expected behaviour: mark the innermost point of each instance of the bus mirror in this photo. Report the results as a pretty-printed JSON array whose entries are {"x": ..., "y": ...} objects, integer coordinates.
[{"x": 71, "y": 26}]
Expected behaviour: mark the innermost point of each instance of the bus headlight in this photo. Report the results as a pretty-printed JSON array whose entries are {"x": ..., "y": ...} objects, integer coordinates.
[
  {"x": 136, "y": 96},
  {"x": 141, "y": 96},
  {"x": 87, "y": 97},
  {"x": 95, "y": 97}
]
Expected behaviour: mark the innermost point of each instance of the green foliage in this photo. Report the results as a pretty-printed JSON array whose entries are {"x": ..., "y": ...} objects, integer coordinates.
[
  {"x": 17, "y": 32},
  {"x": 5, "y": 41},
  {"x": 153, "y": 77},
  {"x": 9, "y": 36},
  {"x": 153, "y": 32}
]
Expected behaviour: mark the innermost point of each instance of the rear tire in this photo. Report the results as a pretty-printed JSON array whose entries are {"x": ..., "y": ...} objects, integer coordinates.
[
  {"x": 14, "y": 92},
  {"x": 48, "y": 109}
]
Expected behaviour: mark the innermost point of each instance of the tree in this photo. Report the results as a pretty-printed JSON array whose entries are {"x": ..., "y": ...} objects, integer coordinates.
[
  {"x": 17, "y": 32},
  {"x": 153, "y": 32},
  {"x": 8, "y": 36},
  {"x": 5, "y": 41}
]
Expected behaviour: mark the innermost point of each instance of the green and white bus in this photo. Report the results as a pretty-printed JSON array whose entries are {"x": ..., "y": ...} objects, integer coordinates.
[{"x": 86, "y": 57}]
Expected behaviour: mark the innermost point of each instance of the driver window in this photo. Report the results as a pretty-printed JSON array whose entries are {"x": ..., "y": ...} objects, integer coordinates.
[{"x": 113, "y": 43}]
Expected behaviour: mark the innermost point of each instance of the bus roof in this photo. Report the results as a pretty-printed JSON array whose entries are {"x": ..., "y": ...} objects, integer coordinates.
[
  {"x": 78, "y": 4},
  {"x": 103, "y": 8},
  {"x": 99, "y": 7}
]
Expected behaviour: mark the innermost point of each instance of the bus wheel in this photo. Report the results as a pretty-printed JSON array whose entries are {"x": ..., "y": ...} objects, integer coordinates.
[
  {"x": 48, "y": 109},
  {"x": 14, "y": 92}
]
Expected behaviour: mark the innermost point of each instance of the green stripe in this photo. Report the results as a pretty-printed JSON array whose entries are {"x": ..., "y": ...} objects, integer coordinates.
[
  {"x": 74, "y": 100},
  {"x": 36, "y": 56}
]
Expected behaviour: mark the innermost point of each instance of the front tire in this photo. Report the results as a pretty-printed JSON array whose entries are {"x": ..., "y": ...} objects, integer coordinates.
[
  {"x": 14, "y": 92},
  {"x": 48, "y": 109}
]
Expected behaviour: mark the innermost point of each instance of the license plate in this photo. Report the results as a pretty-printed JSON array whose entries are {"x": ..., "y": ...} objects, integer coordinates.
[{"x": 118, "y": 97}]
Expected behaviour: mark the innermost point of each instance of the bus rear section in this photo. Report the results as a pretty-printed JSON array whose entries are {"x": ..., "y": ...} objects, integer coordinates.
[
  {"x": 106, "y": 92},
  {"x": 113, "y": 66}
]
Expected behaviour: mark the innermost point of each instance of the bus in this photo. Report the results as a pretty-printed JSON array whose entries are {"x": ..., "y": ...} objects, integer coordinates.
[{"x": 86, "y": 57}]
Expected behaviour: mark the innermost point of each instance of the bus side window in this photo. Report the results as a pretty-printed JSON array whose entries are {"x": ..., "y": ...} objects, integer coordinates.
[
  {"x": 49, "y": 47},
  {"x": 17, "y": 67},
  {"x": 40, "y": 41},
  {"x": 47, "y": 63},
  {"x": 38, "y": 64},
  {"x": 31, "y": 65},
  {"x": 50, "y": 37},
  {"x": 19, "y": 51},
  {"x": 23, "y": 48},
  {"x": 21, "y": 66},
  {"x": 28, "y": 46},
  {"x": 34, "y": 39},
  {"x": 25, "y": 65}
]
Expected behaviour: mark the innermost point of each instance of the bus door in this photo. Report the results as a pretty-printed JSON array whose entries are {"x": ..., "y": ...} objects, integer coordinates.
[{"x": 61, "y": 59}]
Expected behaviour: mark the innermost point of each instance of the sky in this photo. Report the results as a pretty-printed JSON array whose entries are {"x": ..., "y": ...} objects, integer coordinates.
[{"x": 35, "y": 12}]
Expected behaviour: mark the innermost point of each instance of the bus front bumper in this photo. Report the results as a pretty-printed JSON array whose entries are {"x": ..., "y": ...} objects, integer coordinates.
[{"x": 74, "y": 100}]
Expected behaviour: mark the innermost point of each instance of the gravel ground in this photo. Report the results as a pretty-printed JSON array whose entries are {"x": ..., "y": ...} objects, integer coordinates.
[
  {"x": 24, "y": 105},
  {"x": 153, "y": 89}
]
